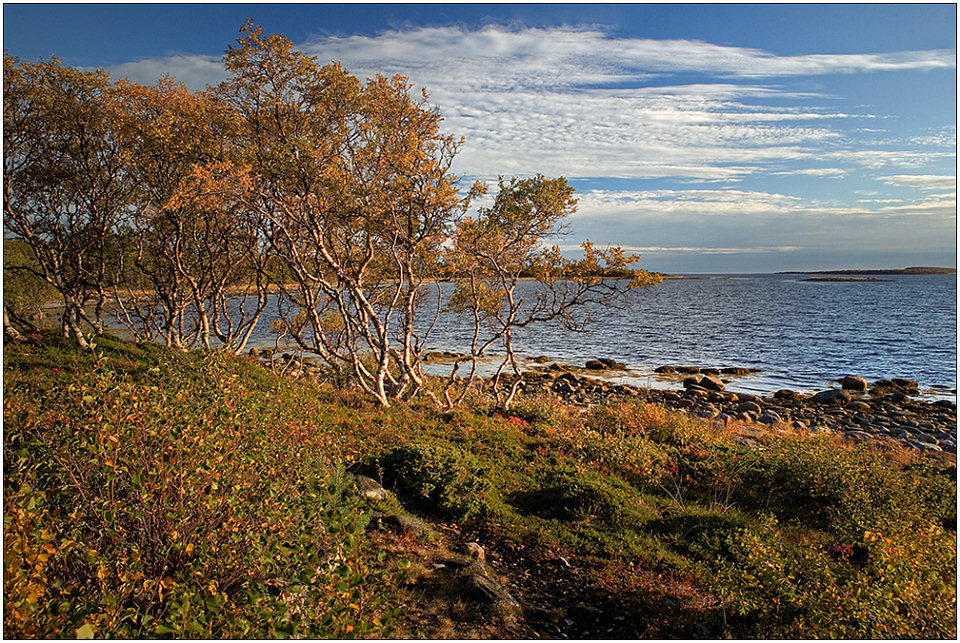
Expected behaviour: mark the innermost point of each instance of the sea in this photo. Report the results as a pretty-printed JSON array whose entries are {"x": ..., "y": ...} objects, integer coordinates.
[{"x": 800, "y": 334}]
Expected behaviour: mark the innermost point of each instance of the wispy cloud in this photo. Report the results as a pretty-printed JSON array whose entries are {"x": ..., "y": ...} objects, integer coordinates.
[
  {"x": 584, "y": 102},
  {"x": 923, "y": 181},
  {"x": 829, "y": 172}
]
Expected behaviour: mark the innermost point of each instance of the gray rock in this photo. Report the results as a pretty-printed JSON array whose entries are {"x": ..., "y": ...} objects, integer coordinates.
[
  {"x": 854, "y": 383},
  {"x": 612, "y": 363},
  {"x": 711, "y": 383},
  {"x": 370, "y": 488},
  {"x": 908, "y": 385},
  {"x": 770, "y": 418},
  {"x": 897, "y": 397},
  {"x": 749, "y": 407},
  {"x": 856, "y": 436},
  {"x": 831, "y": 396},
  {"x": 786, "y": 394},
  {"x": 481, "y": 588}
]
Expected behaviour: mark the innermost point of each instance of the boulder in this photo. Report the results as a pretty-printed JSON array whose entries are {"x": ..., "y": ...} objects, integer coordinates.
[
  {"x": 612, "y": 363},
  {"x": 749, "y": 407},
  {"x": 735, "y": 370},
  {"x": 711, "y": 383},
  {"x": 688, "y": 370},
  {"x": 897, "y": 397},
  {"x": 481, "y": 588},
  {"x": 854, "y": 383},
  {"x": 905, "y": 384},
  {"x": 665, "y": 369},
  {"x": 595, "y": 365},
  {"x": 691, "y": 381},
  {"x": 710, "y": 371},
  {"x": 786, "y": 394},
  {"x": 407, "y": 525},
  {"x": 370, "y": 488},
  {"x": 769, "y": 418},
  {"x": 831, "y": 396}
]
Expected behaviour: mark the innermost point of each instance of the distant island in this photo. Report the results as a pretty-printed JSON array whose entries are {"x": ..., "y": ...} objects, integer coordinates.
[
  {"x": 916, "y": 270},
  {"x": 833, "y": 278}
]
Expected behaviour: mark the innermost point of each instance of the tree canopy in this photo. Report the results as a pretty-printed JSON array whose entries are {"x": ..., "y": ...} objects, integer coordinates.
[{"x": 290, "y": 179}]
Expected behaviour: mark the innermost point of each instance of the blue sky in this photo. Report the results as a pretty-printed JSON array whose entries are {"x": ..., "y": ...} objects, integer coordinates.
[{"x": 709, "y": 138}]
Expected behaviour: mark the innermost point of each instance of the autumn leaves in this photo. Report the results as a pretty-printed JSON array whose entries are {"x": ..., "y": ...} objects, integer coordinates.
[{"x": 190, "y": 211}]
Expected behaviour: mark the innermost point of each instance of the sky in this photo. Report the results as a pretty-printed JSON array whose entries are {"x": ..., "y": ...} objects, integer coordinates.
[{"x": 708, "y": 138}]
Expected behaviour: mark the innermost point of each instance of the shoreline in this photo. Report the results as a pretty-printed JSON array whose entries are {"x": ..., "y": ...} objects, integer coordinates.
[{"x": 857, "y": 411}]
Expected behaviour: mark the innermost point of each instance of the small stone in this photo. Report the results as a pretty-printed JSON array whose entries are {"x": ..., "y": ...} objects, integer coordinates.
[
  {"x": 476, "y": 551},
  {"x": 370, "y": 488}
]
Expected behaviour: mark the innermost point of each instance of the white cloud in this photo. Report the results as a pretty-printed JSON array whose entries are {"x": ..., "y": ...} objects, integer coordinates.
[
  {"x": 829, "y": 172},
  {"x": 571, "y": 56},
  {"x": 582, "y": 102},
  {"x": 196, "y": 72},
  {"x": 877, "y": 159},
  {"x": 627, "y": 207},
  {"x": 923, "y": 181}
]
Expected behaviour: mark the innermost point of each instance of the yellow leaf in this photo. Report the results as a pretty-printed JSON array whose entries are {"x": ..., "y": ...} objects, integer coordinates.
[{"x": 85, "y": 631}]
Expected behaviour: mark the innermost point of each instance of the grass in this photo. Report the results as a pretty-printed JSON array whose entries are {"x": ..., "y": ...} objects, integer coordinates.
[{"x": 149, "y": 493}]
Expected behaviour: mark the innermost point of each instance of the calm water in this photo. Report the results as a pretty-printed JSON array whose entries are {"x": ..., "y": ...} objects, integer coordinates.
[{"x": 802, "y": 334}]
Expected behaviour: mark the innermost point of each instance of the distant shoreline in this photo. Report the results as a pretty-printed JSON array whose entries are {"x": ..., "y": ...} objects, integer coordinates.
[{"x": 917, "y": 270}]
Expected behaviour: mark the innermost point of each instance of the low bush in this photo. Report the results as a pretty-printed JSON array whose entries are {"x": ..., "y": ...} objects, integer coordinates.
[
  {"x": 440, "y": 479},
  {"x": 143, "y": 502},
  {"x": 197, "y": 495}
]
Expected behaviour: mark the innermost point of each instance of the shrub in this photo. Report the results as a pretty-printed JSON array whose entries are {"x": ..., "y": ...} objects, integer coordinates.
[
  {"x": 438, "y": 477},
  {"x": 157, "y": 500}
]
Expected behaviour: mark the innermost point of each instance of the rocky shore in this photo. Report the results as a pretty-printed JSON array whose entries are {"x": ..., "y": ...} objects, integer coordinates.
[
  {"x": 860, "y": 410},
  {"x": 857, "y": 409}
]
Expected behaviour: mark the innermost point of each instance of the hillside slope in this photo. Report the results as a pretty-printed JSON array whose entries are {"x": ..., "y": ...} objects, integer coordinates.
[{"x": 149, "y": 493}]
